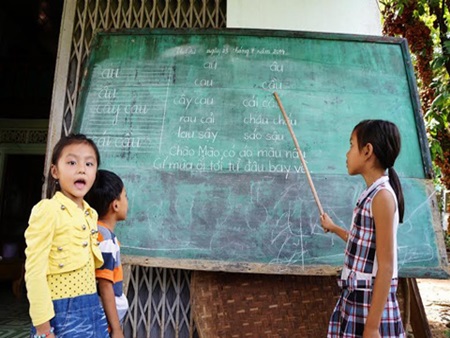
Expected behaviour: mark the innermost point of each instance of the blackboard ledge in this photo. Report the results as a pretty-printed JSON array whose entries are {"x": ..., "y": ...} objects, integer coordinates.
[
  {"x": 273, "y": 269},
  {"x": 239, "y": 267}
]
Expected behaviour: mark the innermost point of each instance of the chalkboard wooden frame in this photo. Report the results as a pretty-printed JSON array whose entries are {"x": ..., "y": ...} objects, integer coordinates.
[{"x": 120, "y": 48}]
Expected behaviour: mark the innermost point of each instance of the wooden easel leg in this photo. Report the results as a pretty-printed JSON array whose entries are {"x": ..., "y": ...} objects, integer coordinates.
[
  {"x": 406, "y": 309},
  {"x": 419, "y": 321},
  {"x": 126, "y": 268}
]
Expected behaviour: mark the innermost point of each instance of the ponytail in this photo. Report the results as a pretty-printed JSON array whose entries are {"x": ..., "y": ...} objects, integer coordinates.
[
  {"x": 386, "y": 142},
  {"x": 395, "y": 183}
]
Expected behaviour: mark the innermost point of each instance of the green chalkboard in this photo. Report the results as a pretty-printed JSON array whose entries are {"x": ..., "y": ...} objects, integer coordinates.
[{"x": 189, "y": 121}]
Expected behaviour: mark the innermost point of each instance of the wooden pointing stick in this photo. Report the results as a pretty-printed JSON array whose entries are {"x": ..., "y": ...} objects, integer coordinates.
[{"x": 300, "y": 155}]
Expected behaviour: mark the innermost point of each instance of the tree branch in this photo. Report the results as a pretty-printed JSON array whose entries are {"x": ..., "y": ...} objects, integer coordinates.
[{"x": 439, "y": 10}]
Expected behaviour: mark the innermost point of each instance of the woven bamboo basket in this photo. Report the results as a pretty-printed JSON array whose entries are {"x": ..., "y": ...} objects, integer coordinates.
[{"x": 254, "y": 305}]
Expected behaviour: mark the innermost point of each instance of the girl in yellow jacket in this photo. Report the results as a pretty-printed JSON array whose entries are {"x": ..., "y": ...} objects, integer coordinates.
[{"x": 62, "y": 249}]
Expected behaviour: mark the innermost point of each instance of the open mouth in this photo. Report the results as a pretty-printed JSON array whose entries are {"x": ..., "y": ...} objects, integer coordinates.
[{"x": 80, "y": 183}]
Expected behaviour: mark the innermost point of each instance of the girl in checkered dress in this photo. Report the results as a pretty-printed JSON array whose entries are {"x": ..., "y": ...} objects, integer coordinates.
[{"x": 368, "y": 304}]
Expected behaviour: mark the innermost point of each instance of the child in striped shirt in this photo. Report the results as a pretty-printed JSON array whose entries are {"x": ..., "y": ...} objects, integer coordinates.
[{"x": 108, "y": 197}]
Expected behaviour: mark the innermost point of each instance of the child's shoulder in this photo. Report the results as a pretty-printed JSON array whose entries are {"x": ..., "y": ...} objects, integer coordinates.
[
  {"x": 106, "y": 233},
  {"x": 44, "y": 212},
  {"x": 384, "y": 190},
  {"x": 45, "y": 205}
]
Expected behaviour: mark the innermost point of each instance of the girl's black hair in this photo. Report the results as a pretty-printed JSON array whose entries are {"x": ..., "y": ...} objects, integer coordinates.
[
  {"x": 384, "y": 137},
  {"x": 52, "y": 184},
  {"x": 107, "y": 188}
]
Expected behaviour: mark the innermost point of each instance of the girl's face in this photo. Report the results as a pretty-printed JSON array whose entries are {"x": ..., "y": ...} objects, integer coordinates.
[
  {"x": 355, "y": 158},
  {"x": 76, "y": 170}
]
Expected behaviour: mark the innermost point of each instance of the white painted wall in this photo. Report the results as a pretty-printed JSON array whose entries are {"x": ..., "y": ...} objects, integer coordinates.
[{"x": 332, "y": 16}]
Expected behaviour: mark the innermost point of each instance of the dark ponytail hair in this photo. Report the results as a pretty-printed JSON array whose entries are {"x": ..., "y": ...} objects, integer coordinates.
[
  {"x": 52, "y": 184},
  {"x": 384, "y": 137}
]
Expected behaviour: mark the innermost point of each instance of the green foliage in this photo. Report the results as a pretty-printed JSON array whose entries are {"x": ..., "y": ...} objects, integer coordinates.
[
  {"x": 435, "y": 14},
  {"x": 447, "y": 239}
]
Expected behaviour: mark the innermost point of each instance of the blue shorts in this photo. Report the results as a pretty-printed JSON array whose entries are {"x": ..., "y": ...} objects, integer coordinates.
[{"x": 81, "y": 316}]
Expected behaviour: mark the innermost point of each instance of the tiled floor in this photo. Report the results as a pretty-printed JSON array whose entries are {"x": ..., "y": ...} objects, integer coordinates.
[{"x": 14, "y": 319}]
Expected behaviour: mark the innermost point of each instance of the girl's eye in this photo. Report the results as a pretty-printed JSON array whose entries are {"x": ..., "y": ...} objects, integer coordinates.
[
  {"x": 71, "y": 162},
  {"x": 90, "y": 164}
]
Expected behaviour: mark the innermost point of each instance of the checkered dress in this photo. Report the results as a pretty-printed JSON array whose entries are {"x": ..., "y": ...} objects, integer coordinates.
[{"x": 353, "y": 306}]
